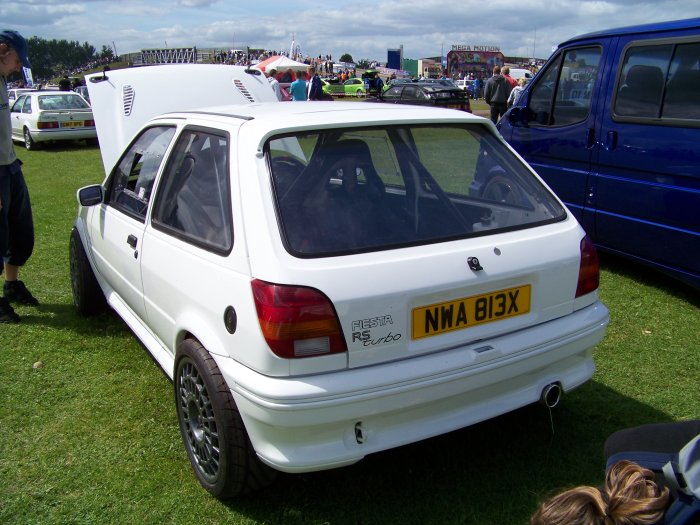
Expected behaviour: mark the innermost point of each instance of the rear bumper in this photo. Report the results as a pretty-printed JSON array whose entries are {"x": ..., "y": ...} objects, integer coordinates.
[
  {"x": 63, "y": 134},
  {"x": 326, "y": 421}
]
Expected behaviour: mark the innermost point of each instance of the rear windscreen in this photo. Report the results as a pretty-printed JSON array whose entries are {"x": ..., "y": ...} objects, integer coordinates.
[{"x": 348, "y": 191}]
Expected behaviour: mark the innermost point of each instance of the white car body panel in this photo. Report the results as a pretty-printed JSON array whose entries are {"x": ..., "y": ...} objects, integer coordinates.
[
  {"x": 387, "y": 389},
  {"x": 122, "y": 103}
]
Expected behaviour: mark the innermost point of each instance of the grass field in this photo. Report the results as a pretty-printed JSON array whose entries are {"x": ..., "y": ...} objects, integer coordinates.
[{"x": 89, "y": 431}]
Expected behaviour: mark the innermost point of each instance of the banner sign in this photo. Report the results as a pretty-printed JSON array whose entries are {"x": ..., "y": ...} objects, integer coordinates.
[{"x": 456, "y": 47}]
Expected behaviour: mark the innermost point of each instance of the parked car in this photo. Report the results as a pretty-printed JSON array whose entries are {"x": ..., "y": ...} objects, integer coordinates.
[
  {"x": 467, "y": 85},
  {"x": 43, "y": 116},
  {"x": 373, "y": 82},
  {"x": 425, "y": 93},
  {"x": 325, "y": 281},
  {"x": 83, "y": 92},
  {"x": 13, "y": 93},
  {"x": 518, "y": 73},
  {"x": 612, "y": 124},
  {"x": 353, "y": 87}
]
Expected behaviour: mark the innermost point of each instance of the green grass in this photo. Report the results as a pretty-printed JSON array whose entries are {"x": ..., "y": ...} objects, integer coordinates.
[{"x": 92, "y": 437}]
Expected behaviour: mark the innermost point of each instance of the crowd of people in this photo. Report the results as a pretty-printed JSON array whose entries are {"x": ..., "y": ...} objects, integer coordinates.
[{"x": 96, "y": 63}]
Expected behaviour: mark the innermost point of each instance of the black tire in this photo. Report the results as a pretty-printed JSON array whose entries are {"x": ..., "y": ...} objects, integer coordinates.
[
  {"x": 212, "y": 430},
  {"x": 87, "y": 294},
  {"x": 28, "y": 140}
]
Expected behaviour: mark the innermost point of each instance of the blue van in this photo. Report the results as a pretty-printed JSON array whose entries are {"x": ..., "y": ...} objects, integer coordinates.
[{"x": 612, "y": 124}]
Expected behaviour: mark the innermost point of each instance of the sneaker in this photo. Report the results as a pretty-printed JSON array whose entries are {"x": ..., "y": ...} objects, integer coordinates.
[
  {"x": 16, "y": 292},
  {"x": 7, "y": 313}
]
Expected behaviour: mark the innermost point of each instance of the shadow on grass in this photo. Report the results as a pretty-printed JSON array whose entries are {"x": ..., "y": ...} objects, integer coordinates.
[
  {"x": 62, "y": 316},
  {"x": 493, "y": 472},
  {"x": 640, "y": 273}
]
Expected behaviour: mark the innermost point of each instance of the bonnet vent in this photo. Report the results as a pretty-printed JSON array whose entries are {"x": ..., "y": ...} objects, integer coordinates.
[
  {"x": 128, "y": 99},
  {"x": 244, "y": 91}
]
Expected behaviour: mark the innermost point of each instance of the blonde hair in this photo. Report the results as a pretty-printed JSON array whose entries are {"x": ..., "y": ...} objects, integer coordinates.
[{"x": 630, "y": 496}]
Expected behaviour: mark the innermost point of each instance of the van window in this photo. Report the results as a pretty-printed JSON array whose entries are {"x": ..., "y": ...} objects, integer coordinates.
[
  {"x": 659, "y": 82},
  {"x": 642, "y": 81},
  {"x": 563, "y": 93},
  {"x": 682, "y": 100}
]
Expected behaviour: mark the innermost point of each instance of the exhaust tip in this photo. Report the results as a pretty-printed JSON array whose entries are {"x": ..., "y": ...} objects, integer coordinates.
[{"x": 551, "y": 395}]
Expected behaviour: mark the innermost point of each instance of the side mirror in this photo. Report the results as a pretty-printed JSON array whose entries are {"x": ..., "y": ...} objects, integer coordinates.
[
  {"x": 104, "y": 76},
  {"x": 90, "y": 195},
  {"x": 519, "y": 116}
]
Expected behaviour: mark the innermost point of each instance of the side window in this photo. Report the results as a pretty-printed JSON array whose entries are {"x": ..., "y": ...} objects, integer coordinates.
[
  {"x": 682, "y": 100},
  {"x": 193, "y": 200},
  {"x": 393, "y": 93},
  {"x": 27, "y": 107},
  {"x": 132, "y": 179},
  {"x": 411, "y": 93},
  {"x": 563, "y": 94},
  {"x": 641, "y": 83},
  {"x": 17, "y": 106},
  {"x": 543, "y": 93}
]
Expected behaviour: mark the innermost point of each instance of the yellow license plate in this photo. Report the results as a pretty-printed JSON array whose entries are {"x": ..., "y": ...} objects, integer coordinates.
[
  {"x": 72, "y": 124},
  {"x": 471, "y": 311}
]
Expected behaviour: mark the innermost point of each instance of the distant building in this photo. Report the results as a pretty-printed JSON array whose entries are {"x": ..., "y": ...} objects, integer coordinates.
[{"x": 479, "y": 64}]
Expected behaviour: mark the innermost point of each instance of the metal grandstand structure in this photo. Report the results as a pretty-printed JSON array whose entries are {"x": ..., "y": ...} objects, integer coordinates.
[{"x": 180, "y": 55}]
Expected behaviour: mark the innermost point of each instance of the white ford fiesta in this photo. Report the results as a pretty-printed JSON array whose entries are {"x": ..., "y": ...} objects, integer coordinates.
[{"x": 326, "y": 280}]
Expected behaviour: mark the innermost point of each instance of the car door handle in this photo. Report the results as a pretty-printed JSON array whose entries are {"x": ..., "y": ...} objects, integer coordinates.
[
  {"x": 611, "y": 140},
  {"x": 590, "y": 138},
  {"x": 131, "y": 240}
]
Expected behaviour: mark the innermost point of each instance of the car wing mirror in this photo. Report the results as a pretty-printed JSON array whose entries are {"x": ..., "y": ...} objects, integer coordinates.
[
  {"x": 519, "y": 116},
  {"x": 104, "y": 76},
  {"x": 90, "y": 195}
]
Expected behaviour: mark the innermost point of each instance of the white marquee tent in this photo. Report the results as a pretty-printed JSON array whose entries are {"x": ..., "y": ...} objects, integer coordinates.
[{"x": 280, "y": 63}]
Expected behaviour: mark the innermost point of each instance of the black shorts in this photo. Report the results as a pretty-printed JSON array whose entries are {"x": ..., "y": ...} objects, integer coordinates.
[{"x": 16, "y": 224}]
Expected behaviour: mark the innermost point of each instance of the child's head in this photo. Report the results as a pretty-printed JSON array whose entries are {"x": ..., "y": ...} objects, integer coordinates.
[{"x": 630, "y": 496}]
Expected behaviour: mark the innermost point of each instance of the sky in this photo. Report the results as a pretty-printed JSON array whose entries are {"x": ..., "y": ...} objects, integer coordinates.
[{"x": 364, "y": 29}]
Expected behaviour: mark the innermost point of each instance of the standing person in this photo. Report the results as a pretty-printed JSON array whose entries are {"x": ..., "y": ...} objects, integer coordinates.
[
  {"x": 517, "y": 91},
  {"x": 298, "y": 87},
  {"x": 64, "y": 83},
  {"x": 478, "y": 88},
  {"x": 274, "y": 83},
  {"x": 16, "y": 225},
  {"x": 315, "y": 85},
  {"x": 506, "y": 75},
  {"x": 496, "y": 94}
]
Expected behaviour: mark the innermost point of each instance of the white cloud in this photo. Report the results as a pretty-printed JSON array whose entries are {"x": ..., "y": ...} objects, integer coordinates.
[{"x": 364, "y": 29}]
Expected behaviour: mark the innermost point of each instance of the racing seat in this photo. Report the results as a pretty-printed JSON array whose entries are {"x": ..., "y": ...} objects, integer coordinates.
[{"x": 343, "y": 209}]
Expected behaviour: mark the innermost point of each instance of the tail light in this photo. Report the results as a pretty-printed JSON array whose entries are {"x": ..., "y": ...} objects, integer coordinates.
[
  {"x": 47, "y": 124},
  {"x": 589, "y": 270},
  {"x": 89, "y": 123},
  {"x": 297, "y": 321}
]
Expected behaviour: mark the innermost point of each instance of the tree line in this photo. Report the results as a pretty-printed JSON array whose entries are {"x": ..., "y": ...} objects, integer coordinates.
[{"x": 53, "y": 58}]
